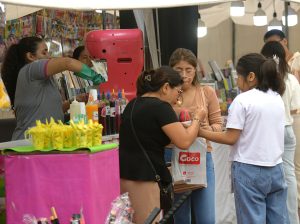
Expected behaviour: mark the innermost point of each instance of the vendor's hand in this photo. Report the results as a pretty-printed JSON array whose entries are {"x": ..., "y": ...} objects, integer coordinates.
[{"x": 83, "y": 97}]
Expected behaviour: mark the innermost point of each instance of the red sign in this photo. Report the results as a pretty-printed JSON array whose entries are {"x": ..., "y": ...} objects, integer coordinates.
[{"x": 189, "y": 158}]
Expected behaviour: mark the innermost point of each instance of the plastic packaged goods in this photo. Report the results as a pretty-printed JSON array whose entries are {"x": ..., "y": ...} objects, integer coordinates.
[
  {"x": 121, "y": 211},
  {"x": 59, "y": 136}
]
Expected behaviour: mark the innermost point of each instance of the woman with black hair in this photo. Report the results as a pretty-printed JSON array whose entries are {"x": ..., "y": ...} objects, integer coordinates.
[
  {"x": 81, "y": 54},
  {"x": 156, "y": 125},
  {"x": 255, "y": 129},
  {"x": 27, "y": 74}
]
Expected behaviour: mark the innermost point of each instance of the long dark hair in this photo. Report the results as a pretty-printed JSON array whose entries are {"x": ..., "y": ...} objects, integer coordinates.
[
  {"x": 265, "y": 71},
  {"x": 274, "y": 48},
  {"x": 77, "y": 52},
  {"x": 152, "y": 81},
  {"x": 14, "y": 60}
]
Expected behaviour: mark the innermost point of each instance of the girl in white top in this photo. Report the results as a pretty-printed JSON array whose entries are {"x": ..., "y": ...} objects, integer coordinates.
[
  {"x": 291, "y": 99},
  {"x": 255, "y": 129}
]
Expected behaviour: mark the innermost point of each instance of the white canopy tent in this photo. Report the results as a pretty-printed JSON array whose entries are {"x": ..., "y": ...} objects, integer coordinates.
[
  {"x": 213, "y": 12},
  {"x": 214, "y": 15},
  {"x": 18, "y": 8}
]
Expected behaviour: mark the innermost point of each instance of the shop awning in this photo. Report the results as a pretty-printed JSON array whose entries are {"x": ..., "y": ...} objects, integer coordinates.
[{"x": 212, "y": 12}]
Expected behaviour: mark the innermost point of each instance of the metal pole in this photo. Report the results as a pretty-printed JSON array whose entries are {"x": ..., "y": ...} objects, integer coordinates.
[
  {"x": 103, "y": 19},
  {"x": 115, "y": 19},
  {"x": 158, "y": 37},
  {"x": 233, "y": 53},
  {"x": 286, "y": 27}
]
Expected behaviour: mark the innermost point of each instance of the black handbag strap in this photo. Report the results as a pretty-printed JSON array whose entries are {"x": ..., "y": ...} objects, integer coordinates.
[{"x": 157, "y": 177}]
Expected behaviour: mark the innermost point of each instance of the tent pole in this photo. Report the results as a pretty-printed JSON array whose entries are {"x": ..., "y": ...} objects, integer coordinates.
[
  {"x": 233, "y": 41},
  {"x": 286, "y": 27},
  {"x": 158, "y": 37},
  {"x": 103, "y": 19}
]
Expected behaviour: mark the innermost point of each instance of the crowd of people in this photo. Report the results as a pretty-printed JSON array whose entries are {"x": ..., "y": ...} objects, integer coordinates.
[
  {"x": 259, "y": 129},
  {"x": 259, "y": 126}
]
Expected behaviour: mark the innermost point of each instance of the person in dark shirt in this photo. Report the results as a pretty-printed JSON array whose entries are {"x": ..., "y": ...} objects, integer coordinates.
[{"x": 156, "y": 125}]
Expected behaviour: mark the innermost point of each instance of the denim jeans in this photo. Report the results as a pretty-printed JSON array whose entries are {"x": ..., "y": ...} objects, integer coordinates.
[
  {"x": 201, "y": 201},
  {"x": 289, "y": 171},
  {"x": 296, "y": 127},
  {"x": 260, "y": 194}
]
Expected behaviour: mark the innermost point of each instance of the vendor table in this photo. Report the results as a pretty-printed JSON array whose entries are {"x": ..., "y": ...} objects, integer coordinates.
[{"x": 68, "y": 181}]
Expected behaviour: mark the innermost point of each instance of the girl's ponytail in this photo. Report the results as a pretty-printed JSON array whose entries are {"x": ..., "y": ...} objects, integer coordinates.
[
  {"x": 270, "y": 78},
  {"x": 265, "y": 70}
]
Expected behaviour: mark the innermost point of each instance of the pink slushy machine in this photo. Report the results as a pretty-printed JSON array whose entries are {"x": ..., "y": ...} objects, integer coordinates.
[{"x": 123, "y": 51}]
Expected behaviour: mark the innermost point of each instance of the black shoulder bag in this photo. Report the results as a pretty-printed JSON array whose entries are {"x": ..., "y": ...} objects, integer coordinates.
[{"x": 166, "y": 191}]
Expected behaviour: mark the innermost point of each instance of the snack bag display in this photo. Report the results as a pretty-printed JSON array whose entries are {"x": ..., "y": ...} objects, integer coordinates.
[
  {"x": 121, "y": 211},
  {"x": 96, "y": 129},
  {"x": 80, "y": 134},
  {"x": 37, "y": 135},
  {"x": 59, "y": 136},
  {"x": 68, "y": 133}
]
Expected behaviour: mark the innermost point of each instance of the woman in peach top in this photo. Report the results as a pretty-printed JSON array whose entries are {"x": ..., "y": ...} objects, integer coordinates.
[{"x": 202, "y": 201}]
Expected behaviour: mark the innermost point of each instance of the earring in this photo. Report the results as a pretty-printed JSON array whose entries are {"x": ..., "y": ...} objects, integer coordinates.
[{"x": 179, "y": 100}]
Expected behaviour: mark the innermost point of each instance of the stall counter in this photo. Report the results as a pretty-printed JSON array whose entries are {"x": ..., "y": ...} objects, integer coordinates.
[{"x": 71, "y": 182}]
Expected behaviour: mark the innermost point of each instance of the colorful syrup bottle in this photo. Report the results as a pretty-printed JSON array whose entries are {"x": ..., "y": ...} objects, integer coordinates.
[
  {"x": 112, "y": 104},
  {"x": 118, "y": 110},
  {"x": 123, "y": 102},
  {"x": 107, "y": 115},
  {"x": 102, "y": 113}
]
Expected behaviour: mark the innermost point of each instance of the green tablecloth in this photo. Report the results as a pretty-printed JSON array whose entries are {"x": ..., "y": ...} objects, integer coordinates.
[{"x": 30, "y": 148}]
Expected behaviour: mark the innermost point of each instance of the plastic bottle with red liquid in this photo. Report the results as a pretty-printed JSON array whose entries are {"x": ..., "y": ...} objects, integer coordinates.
[
  {"x": 102, "y": 113},
  {"x": 112, "y": 104},
  {"x": 107, "y": 116},
  {"x": 118, "y": 111}
]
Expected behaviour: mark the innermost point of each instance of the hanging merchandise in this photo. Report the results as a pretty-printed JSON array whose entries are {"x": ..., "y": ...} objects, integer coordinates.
[
  {"x": 121, "y": 211},
  {"x": 4, "y": 98},
  {"x": 2, "y": 17}
]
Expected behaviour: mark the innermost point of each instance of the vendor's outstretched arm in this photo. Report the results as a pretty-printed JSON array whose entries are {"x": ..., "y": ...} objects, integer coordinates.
[
  {"x": 56, "y": 65},
  {"x": 87, "y": 73},
  {"x": 228, "y": 137}
]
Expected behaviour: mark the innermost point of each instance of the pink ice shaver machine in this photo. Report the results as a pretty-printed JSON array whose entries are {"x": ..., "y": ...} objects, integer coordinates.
[{"x": 122, "y": 49}]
